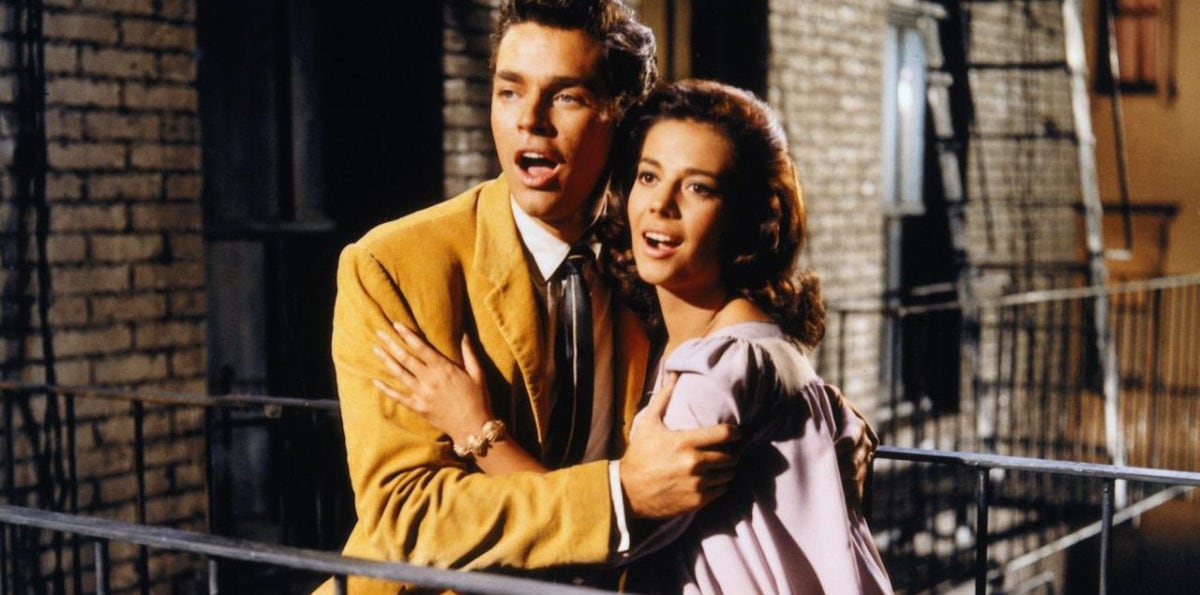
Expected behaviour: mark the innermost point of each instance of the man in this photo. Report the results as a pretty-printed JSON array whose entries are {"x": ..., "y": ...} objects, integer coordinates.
[{"x": 483, "y": 265}]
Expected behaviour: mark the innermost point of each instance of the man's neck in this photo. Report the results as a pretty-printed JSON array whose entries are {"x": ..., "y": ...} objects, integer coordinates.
[{"x": 567, "y": 231}]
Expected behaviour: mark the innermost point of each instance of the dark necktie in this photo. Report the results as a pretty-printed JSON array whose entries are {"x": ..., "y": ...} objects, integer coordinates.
[{"x": 571, "y": 417}]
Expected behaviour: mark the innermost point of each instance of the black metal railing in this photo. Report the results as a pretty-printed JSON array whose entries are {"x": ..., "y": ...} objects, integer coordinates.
[
  {"x": 216, "y": 550},
  {"x": 125, "y": 460},
  {"x": 983, "y": 467},
  {"x": 1027, "y": 388},
  {"x": 1018, "y": 375}
]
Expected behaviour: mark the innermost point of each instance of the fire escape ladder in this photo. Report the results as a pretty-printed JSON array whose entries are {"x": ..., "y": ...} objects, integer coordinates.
[
  {"x": 1016, "y": 139},
  {"x": 1007, "y": 150},
  {"x": 1093, "y": 213},
  {"x": 950, "y": 141}
]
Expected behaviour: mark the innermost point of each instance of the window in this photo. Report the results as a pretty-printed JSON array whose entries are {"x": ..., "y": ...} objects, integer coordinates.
[
  {"x": 904, "y": 118},
  {"x": 922, "y": 350},
  {"x": 1137, "y": 29}
]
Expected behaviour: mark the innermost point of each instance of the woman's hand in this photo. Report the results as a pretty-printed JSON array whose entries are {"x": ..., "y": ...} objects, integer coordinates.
[{"x": 450, "y": 397}]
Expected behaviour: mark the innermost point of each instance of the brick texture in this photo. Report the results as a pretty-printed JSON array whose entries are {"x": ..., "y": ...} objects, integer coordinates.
[
  {"x": 470, "y": 156},
  {"x": 125, "y": 256}
]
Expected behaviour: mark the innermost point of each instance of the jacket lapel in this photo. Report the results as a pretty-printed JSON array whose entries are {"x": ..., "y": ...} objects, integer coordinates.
[{"x": 509, "y": 296}]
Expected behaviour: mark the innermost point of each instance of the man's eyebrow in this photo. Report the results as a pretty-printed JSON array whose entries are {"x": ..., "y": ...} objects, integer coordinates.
[
  {"x": 509, "y": 76},
  {"x": 558, "y": 82},
  {"x": 565, "y": 82}
]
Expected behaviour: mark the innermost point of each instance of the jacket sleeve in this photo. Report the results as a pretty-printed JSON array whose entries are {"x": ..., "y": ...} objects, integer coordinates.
[{"x": 415, "y": 500}]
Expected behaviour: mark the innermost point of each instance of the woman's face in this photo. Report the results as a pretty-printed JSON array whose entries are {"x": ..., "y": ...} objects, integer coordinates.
[{"x": 677, "y": 198}]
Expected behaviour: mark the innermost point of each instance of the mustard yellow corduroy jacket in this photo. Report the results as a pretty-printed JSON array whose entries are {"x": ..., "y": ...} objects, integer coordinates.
[{"x": 459, "y": 267}]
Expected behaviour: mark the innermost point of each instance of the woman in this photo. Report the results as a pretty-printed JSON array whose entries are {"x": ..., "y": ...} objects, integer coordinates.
[{"x": 705, "y": 224}]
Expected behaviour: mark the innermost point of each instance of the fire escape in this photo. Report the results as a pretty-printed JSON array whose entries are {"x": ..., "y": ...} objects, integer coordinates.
[{"x": 1041, "y": 356}]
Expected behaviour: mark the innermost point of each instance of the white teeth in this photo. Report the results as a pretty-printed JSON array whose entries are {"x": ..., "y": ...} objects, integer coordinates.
[
  {"x": 534, "y": 156},
  {"x": 658, "y": 237}
]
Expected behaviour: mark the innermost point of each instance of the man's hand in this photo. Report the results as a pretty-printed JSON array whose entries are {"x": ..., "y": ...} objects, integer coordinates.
[
  {"x": 855, "y": 445},
  {"x": 668, "y": 472}
]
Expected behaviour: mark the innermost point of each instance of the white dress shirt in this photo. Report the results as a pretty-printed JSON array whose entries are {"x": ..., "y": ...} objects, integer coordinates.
[{"x": 545, "y": 253}]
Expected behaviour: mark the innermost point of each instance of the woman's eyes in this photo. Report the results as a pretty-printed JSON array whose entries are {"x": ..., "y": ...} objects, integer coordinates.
[{"x": 647, "y": 178}]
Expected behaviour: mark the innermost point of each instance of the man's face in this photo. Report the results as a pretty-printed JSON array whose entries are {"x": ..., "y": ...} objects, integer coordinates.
[{"x": 552, "y": 122}]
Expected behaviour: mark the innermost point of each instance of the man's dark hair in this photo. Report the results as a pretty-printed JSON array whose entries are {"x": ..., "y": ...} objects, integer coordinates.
[{"x": 629, "y": 66}]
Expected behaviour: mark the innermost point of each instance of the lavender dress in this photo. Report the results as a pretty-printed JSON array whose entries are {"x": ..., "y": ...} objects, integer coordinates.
[{"x": 783, "y": 526}]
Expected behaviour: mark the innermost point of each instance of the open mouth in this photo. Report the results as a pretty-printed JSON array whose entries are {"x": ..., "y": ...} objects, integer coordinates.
[
  {"x": 532, "y": 161},
  {"x": 537, "y": 169},
  {"x": 657, "y": 240}
]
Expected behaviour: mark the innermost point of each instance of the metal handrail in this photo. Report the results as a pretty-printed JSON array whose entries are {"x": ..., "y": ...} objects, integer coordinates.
[
  {"x": 1011, "y": 463},
  {"x": 983, "y": 463},
  {"x": 216, "y": 547},
  {"x": 270, "y": 404},
  {"x": 875, "y": 306},
  {"x": 317, "y": 562}
]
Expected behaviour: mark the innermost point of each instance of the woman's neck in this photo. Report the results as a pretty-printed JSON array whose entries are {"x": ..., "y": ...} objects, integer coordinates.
[
  {"x": 696, "y": 315},
  {"x": 689, "y": 316}
]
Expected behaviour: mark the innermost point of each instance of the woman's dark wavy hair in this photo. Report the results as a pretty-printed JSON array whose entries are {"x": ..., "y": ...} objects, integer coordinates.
[
  {"x": 763, "y": 217},
  {"x": 629, "y": 60}
]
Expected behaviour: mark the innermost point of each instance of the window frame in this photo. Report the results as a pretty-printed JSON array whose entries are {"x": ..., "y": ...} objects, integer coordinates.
[{"x": 1138, "y": 74}]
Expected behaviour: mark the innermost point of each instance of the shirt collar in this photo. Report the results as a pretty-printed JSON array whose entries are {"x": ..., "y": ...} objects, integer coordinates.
[{"x": 548, "y": 250}]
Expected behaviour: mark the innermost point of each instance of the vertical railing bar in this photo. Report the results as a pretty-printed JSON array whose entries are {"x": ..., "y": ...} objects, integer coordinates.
[
  {"x": 987, "y": 441},
  {"x": 1023, "y": 406},
  {"x": 1053, "y": 398},
  {"x": 1181, "y": 377},
  {"x": 102, "y": 571},
  {"x": 1143, "y": 309},
  {"x": 1151, "y": 386},
  {"x": 1096, "y": 426},
  {"x": 973, "y": 325},
  {"x": 4, "y": 577},
  {"x": 339, "y": 584},
  {"x": 280, "y": 430},
  {"x": 1175, "y": 403},
  {"x": 1191, "y": 370},
  {"x": 981, "y": 531},
  {"x": 1173, "y": 380},
  {"x": 1164, "y": 412},
  {"x": 73, "y": 477},
  {"x": 1008, "y": 330},
  {"x": 1084, "y": 390},
  {"x": 1106, "y": 535},
  {"x": 1021, "y": 328},
  {"x": 891, "y": 322},
  {"x": 315, "y": 426},
  {"x": 822, "y": 354},
  {"x": 1031, "y": 405},
  {"x": 139, "y": 470},
  {"x": 214, "y": 577},
  {"x": 841, "y": 347},
  {"x": 1044, "y": 422},
  {"x": 10, "y": 473},
  {"x": 1126, "y": 332}
]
